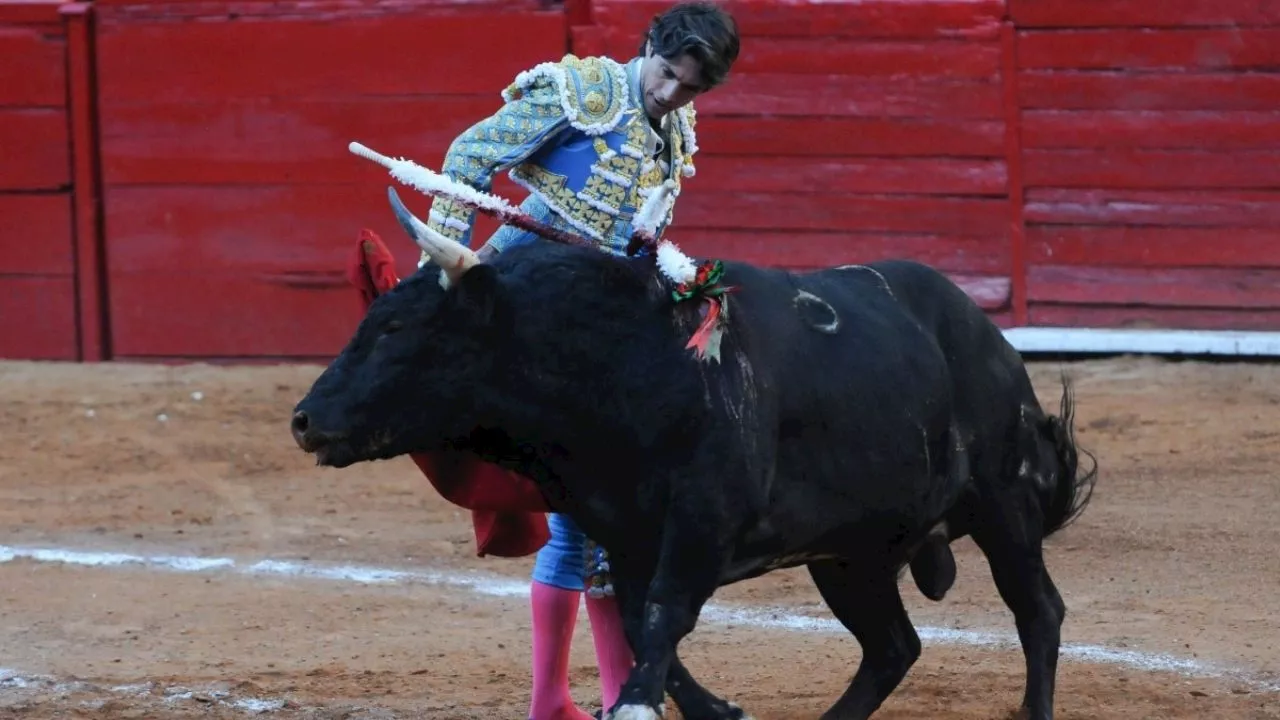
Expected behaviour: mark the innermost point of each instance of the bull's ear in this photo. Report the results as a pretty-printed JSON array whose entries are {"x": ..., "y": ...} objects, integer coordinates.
[{"x": 478, "y": 294}]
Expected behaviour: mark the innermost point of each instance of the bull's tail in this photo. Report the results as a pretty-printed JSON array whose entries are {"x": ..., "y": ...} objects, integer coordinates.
[{"x": 1068, "y": 497}]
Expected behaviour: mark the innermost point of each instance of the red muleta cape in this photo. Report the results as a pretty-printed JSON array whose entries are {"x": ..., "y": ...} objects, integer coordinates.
[{"x": 506, "y": 508}]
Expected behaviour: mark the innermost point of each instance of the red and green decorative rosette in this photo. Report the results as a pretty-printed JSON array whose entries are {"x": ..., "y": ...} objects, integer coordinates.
[{"x": 706, "y": 285}]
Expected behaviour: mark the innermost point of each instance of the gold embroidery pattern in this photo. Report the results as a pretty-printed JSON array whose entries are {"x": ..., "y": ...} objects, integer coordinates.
[
  {"x": 505, "y": 138},
  {"x": 612, "y": 177},
  {"x": 648, "y": 173},
  {"x": 590, "y": 89},
  {"x": 605, "y": 192},
  {"x": 550, "y": 188}
]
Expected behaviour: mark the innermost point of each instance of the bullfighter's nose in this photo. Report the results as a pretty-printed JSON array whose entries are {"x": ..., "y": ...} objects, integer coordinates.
[{"x": 299, "y": 426}]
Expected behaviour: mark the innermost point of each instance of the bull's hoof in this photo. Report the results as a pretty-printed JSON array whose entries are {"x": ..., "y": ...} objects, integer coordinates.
[{"x": 633, "y": 712}]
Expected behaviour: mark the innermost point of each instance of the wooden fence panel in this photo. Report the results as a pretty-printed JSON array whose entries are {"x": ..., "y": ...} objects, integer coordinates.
[
  {"x": 232, "y": 203},
  {"x": 38, "y": 318},
  {"x": 1151, "y": 162}
]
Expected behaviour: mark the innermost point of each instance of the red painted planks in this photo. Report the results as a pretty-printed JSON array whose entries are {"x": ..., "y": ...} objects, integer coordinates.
[
  {"x": 1143, "y": 13},
  {"x": 887, "y": 59},
  {"x": 1186, "y": 208},
  {"x": 1154, "y": 246},
  {"x": 33, "y": 144},
  {"x": 972, "y": 217},
  {"x": 780, "y": 95},
  {"x": 1168, "y": 287},
  {"x": 32, "y": 68},
  {"x": 1152, "y": 169},
  {"x": 851, "y": 136},
  {"x": 972, "y": 255},
  {"x": 37, "y": 318},
  {"x": 905, "y": 175},
  {"x": 1151, "y": 129},
  {"x": 237, "y": 271},
  {"x": 31, "y": 12},
  {"x": 1182, "y": 50},
  {"x": 857, "y": 18},
  {"x": 1014, "y": 161},
  {"x": 217, "y": 10},
  {"x": 587, "y": 40},
  {"x": 1148, "y": 91},
  {"x": 989, "y": 293},
  {"x": 217, "y": 61},
  {"x": 240, "y": 141},
  {"x": 35, "y": 234},
  {"x": 577, "y": 12},
  {"x": 86, "y": 180},
  {"x": 216, "y": 313},
  {"x": 1112, "y": 316},
  {"x": 1003, "y": 319},
  {"x": 932, "y": 59},
  {"x": 251, "y": 230}
]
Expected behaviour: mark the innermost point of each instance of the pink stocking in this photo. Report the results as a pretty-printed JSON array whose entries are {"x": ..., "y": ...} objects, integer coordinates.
[
  {"x": 613, "y": 654},
  {"x": 554, "y": 613}
]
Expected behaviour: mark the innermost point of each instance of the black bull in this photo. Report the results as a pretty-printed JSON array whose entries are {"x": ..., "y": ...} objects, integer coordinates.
[{"x": 860, "y": 419}]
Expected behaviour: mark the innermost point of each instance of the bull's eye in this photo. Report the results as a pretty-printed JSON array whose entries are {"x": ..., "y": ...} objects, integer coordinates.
[{"x": 393, "y": 326}]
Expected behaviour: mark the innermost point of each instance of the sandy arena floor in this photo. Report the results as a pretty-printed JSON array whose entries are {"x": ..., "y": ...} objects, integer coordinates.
[{"x": 166, "y": 551}]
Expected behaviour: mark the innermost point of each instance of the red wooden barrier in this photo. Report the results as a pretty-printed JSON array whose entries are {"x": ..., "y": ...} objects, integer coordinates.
[
  {"x": 87, "y": 182},
  {"x": 232, "y": 203},
  {"x": 1151, "y": 154},
  {"x": 849, "y": 132},
  {"x": 37, "y": 259},
  {"x": 1070, "y": 162}
]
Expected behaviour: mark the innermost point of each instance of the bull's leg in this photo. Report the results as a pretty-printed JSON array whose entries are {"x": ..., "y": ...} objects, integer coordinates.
[
  {"x": 695, "y": 702},
  {"x": 630, "y": 591},
  {"x": 869, "y": 606},
  {"x": 1012, "y": 546},
  {"x": 684, "y": 579}
]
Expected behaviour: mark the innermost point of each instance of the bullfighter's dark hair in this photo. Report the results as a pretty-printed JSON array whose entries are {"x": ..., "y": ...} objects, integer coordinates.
[{"x": 702, "y": 30}]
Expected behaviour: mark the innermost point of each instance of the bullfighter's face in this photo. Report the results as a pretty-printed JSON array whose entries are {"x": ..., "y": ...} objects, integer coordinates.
[
  {"x": 406, "y": 372},
  {"x": 669, "y": 84}
]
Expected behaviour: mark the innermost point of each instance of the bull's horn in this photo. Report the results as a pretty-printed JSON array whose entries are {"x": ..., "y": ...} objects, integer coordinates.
[{"x": 453, "y": 257}]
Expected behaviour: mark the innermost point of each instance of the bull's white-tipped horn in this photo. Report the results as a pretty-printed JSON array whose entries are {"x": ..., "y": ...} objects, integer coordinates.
[{"x": 453, "y": 257}]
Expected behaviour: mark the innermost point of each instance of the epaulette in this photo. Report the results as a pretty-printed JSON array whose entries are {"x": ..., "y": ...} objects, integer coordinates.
[{"x": 593, "y": 90}]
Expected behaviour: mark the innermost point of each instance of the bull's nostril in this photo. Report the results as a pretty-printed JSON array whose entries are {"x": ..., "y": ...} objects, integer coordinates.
[{"x": 300, "y": 424}]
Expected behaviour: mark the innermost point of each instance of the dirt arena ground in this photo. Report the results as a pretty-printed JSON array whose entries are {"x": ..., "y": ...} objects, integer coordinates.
[{"x": 166, "y": 552}]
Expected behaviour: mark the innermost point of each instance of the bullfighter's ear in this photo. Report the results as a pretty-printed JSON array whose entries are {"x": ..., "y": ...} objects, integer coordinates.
[{"x": 478, "y": 293}]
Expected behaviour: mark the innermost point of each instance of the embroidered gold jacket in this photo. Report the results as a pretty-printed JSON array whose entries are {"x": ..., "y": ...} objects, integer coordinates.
[{"x": 574, "y": 134}]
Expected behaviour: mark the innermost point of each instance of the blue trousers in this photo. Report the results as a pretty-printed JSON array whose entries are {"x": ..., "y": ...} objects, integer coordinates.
[{"x": 561, "y": 562}]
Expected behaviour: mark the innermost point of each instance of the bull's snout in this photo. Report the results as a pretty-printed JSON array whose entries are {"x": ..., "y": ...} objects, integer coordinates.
[
  {"x": 311, "y": 436},
  {"x": 300, "y": 425}
]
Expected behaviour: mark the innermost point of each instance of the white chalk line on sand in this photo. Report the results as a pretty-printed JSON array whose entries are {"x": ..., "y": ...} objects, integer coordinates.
[
  {"x": 11, "y": 680},
  {"x": 498, "y": 586}
]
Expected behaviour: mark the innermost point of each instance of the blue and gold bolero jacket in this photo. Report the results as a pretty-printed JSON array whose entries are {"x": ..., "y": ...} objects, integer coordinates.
[{"x": 575, "y": 135}]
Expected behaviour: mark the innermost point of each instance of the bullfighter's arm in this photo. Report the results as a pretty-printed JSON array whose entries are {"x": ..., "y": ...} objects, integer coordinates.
[{"x": 531, "y": 117}]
